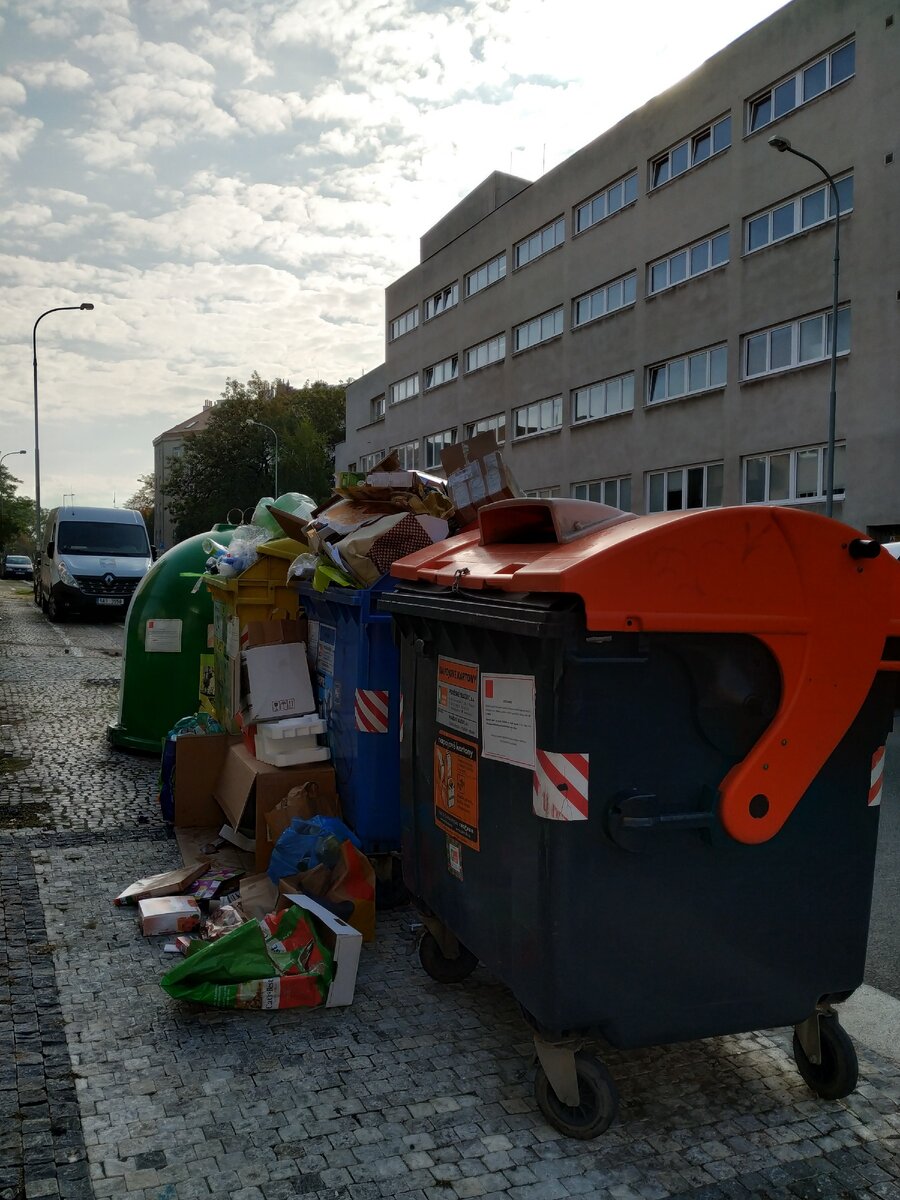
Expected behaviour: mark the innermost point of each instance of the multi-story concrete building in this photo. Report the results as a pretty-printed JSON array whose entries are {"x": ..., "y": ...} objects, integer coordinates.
[
  {"x": 649, "y": 322},
  {"x": 167, "y": 447}
]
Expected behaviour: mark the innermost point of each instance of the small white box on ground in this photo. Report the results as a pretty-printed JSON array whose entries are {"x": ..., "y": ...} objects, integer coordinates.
[
  {"x": 346, "y": 948},
  {"x": 168, "y": 914}
]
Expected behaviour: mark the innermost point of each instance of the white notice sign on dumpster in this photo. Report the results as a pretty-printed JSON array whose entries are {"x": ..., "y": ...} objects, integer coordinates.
[
  {"x": 162, "y": 636},
  {"x": 507, "y": 719}
]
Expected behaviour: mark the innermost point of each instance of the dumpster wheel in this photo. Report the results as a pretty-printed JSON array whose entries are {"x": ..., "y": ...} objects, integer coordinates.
[
  {"x": 443, "y": 969},
  {"x": 837, "y": 1074},
  {"x": 597, "y": 1105}
]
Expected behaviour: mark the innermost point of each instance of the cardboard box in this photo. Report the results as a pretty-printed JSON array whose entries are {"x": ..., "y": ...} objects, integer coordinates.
[
  {"x": 273, "y": 633},
  {"x": 245, "y": 781},
  {"x": 198, "y": 818},
  {"x": 477, "y": 475},
  {"x": 344, "y": 943},
  {"x": 168, "y": 914},
  {"x": 305, "y": 802},
  {"x": 275, "y": 682}
]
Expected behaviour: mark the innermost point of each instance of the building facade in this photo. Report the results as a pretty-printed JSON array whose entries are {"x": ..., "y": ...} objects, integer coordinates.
[
  {"x": 649, "y": 323},
  {"x": 167, "y": 447}
]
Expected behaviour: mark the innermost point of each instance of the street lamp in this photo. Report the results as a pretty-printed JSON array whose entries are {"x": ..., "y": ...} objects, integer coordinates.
[
  {"x": 250, "y": 421},
  {"x": 37, "y": 452},
  {"x": 782, "y": 145},
  {"x": 2, "y": 456}
]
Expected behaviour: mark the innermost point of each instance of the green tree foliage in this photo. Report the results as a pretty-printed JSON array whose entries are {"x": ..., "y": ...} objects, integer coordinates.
[
  {"x": 143, "y": 500},
  {"x": 228, "y": 466},
  {"x": 16, "y": 516}
]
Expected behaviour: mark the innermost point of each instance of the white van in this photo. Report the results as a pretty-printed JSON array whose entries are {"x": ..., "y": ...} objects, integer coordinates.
[{"x": 92, "y": 559}]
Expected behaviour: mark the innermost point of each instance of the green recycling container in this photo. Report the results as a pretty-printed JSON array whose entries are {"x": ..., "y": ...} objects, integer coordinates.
[{"x": 166, "y": 634}]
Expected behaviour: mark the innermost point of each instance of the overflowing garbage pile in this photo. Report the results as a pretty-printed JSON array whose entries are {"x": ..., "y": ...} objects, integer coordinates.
[{"x": 373, "y": 519}]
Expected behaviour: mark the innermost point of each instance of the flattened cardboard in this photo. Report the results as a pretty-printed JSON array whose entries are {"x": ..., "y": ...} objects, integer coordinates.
[
  {"x": 244, "y": 778},
  {"x": 193, "y": 842},
  {"x": 477, "y": 475},
  {"x": 198, "y": 763},
  {"x": 275, "y": 682},
  {"x": 299, "y": 803},
  {"x": 259, "y": 895},
  {"x": 345, "y": 944}
]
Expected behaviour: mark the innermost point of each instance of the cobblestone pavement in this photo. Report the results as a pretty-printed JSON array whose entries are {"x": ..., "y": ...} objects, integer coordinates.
[{"x": 110, "y": 1089}]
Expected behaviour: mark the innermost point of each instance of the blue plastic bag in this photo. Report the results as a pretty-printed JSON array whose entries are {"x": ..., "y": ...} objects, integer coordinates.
[{"x": 306, "y": 844}]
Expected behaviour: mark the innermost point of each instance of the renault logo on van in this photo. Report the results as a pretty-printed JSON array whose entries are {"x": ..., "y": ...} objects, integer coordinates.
[{"x": 109, "y": 580}]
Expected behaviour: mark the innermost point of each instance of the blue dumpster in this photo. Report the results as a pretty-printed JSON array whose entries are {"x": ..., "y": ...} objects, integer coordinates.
[{"x": 357, "y": 669}]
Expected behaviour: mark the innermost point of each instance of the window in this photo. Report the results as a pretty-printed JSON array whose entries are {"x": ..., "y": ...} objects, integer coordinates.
[
  {"x": 403, "y": 389},
  {"x": 794, "y": 216},
  {"x": 538, "y": 329},
  {"x": 368, "y": 462},
  {"x": 539, "y": 243},
  {"x": 606, "y": 203},
  {"x": 486, "y": 274},
  {"x": 377, "y": 408},
  {"x": 491, "y": 351},
  {"x": 603, "y": 399},
  {"x": 408, "y": 454},
  {"x": 794, "y": 344},
  {"x": 697, "y": 372},
  {"x": 614, "y": 492},
  {"x": 434, "y": 444},
  {"x": 497, "y": 423},
  {"x": 792, "y": 476},
  {"x": 438, "y": 303},
  {"x": 405, "y": 323},
  {"x": 685, "y": 487},
  {"x": 685, "y": 264},
  {"x": 801, "y": 87},
  {"x": 546, "y": 493},
  {"x": 542, "y": 417},
  {"x": 691, "y": 152},
  {"x": 441, "y": 372},
  {"x": 604, "y": 300}
]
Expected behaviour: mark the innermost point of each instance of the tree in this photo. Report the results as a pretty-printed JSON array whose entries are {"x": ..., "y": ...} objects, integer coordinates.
[
  {"x": 16, "y": 516},
  {"x": 228, "y": 466},
  {"x": 144, "y": 500}
]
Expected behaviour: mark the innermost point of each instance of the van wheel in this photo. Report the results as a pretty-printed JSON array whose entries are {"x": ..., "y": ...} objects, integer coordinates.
[{"x": 54, "y": 610}]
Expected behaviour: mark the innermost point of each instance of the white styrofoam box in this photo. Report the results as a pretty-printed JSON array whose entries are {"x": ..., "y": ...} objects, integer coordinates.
[
  {"x": 293, "y": 727},
  {"x": 291, "y": 758},
  {"x": 347, "y": 945}
]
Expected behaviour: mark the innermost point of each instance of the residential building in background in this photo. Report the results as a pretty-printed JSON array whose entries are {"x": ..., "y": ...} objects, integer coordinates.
[
  {"x": 648, "y": 324},
  {"x": 168, "y": 447}
]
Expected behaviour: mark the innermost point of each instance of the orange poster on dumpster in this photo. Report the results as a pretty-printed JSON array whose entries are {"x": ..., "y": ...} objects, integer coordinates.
[{"x": 456, "y": 787}]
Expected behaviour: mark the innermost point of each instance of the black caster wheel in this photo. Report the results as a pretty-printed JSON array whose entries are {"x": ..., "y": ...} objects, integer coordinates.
[
  {"x": 597, "y": 1106},
  {"x": 837, "y": 1074},
  {"x": 441, "y": 969}
]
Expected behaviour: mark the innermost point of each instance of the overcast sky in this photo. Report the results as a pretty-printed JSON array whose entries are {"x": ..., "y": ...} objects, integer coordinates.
[{"x": 233, "y": 183}]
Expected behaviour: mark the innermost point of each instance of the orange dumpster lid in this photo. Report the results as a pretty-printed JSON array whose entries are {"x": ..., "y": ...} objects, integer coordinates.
[{"x": 821, "y": 596}]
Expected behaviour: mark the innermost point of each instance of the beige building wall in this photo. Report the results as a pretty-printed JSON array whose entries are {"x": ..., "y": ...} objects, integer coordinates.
[{"x": 850, "y": 127}]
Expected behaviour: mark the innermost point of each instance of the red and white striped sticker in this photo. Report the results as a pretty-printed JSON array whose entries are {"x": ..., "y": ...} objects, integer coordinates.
[
  {"x": 876, "y": 779},
  {"x": 371, "y": 711},
  {"x": 560, "y": 786}
]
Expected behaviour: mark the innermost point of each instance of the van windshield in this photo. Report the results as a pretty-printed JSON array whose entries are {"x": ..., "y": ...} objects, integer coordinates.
[{"x": 94, "y": 537}]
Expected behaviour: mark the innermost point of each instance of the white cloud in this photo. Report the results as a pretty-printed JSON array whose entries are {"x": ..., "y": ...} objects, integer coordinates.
[
  {"x": 11, "y": 92},
  {"x": 59, "y": 74}
]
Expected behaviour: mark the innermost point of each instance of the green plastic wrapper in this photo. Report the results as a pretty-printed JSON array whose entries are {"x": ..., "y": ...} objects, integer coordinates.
[{"x": 278, "y": 962}]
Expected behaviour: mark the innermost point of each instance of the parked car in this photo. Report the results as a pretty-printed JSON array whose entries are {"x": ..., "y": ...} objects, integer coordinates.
[
  {"x": 91, "y": 561},
  {"x": 17, "y": 566}
]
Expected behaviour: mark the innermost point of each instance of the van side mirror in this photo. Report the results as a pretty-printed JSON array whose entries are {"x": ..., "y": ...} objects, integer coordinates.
[{"x": 49, "y": 549}]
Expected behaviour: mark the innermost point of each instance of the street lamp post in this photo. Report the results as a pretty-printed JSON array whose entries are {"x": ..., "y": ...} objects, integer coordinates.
[
  {"x": 2, "y": 456},
  {"x": 250, "y": 421},
  {"x": 37, "y": 451},
  {"x": 782, "y": 145}
]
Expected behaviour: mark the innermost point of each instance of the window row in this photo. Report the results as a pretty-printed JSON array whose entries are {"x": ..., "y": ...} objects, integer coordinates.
[
  {"x": 691, "y": 152},
  {"x": 801, "y": 86},
  {"x": 795, "y": 476},
  {"x": 795, "y": 216},
  {"x": 693, "y": 260},
  {"x": 791, "y": 476},
  {"x": 801, "y": 342}
]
